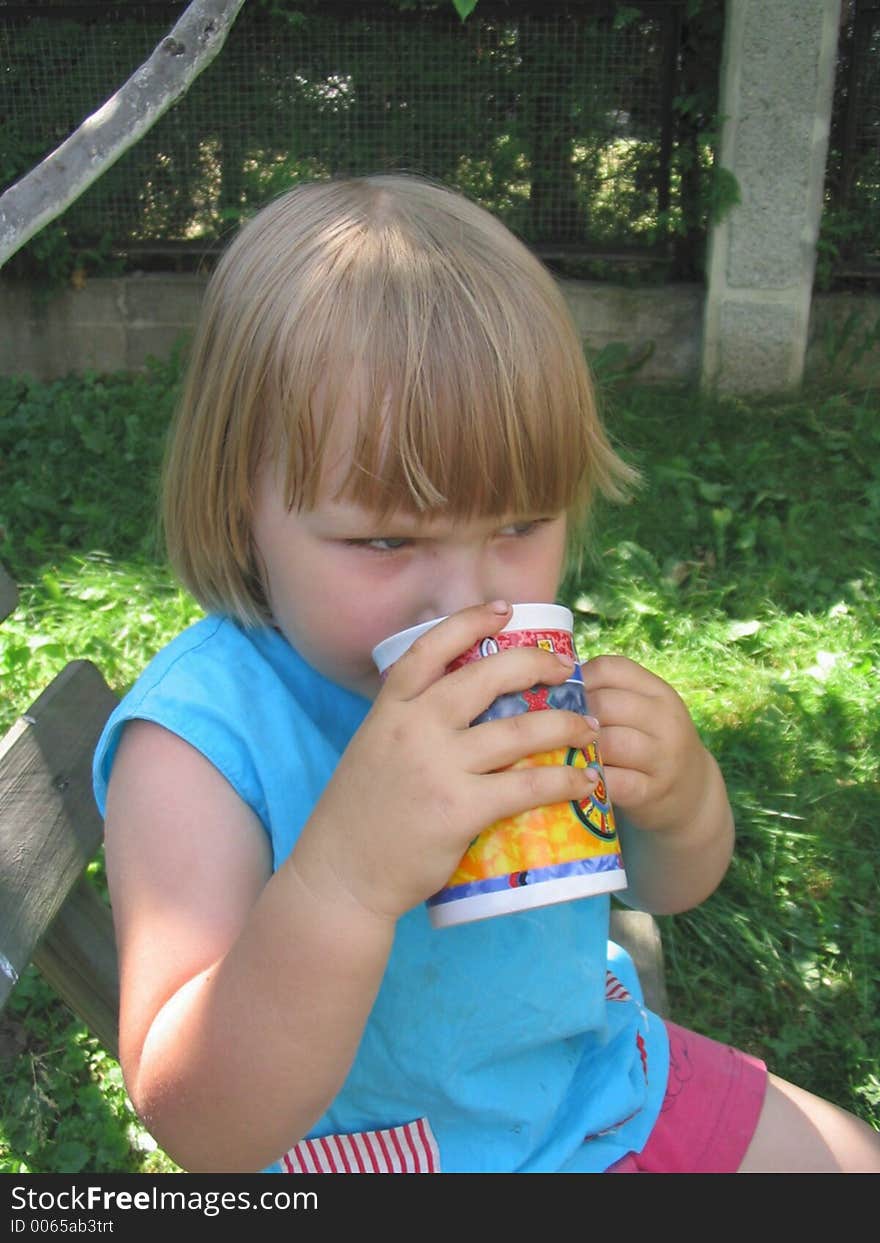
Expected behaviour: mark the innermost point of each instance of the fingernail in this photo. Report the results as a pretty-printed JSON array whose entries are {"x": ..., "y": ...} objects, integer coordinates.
[
  {"x": 564, "y": 660},
  {"x": 592, "y": 722},
  {"x": 500, "y": 606}
]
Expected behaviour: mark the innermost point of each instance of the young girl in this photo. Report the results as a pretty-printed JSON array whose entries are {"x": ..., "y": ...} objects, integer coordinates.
[{"x": 388, "y": 419}]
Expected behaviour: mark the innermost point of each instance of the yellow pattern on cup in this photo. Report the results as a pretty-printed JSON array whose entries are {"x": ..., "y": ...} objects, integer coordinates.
[{"x": 543, "y": 836}]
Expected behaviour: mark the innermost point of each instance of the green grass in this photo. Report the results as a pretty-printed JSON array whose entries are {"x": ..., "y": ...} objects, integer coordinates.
[{"x": 746, "y": 572}]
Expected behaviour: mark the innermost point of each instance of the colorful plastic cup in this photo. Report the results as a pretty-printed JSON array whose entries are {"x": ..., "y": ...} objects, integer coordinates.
[{"x": 549, "y": 854}]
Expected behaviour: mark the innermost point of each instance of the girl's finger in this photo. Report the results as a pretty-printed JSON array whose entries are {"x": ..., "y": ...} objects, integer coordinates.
[
  {"x": 623, "y": 747},
  {"x": 427, "y": 658},
  {"x": 627, "y": 787},
  {"x": 463, "y": 695},
  {"x": 516, "y": 790},
  {"x": 621, "y": 673},
  {"x": 612, "y": 706},
  {"x": 496, "y": 744}
]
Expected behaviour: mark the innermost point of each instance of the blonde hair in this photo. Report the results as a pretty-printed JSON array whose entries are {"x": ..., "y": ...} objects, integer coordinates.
[{"x": 473, "y": 392}]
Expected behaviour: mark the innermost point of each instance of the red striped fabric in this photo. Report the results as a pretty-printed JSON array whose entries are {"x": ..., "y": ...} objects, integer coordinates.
[
  {"x": 614, "y": 990},
  {"x": 409, "y": 1149}
]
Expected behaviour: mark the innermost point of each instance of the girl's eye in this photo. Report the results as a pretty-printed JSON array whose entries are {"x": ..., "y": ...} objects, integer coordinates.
[
  {"x": 380, "y": 544},
  {"x": 521, "y": 528}
]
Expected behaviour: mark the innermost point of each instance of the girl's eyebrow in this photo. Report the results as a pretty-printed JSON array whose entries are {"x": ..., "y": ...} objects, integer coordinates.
[
  {"x": 353, "y": 522},
  {"x": 348, "y": 518},
  {"x": 344, "y": 516}
]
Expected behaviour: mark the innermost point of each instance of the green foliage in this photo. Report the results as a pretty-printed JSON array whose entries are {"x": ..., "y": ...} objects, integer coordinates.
[
  {"x": 746, "y": 572},
  {"x": 702, "y": 192},
  {"x": 63, "y": 1104},
  {"x": 464, "y": 8},
  {"x": 848, "y": 342},
  {"x": 723, "y": 193},
  {"x": 839, "y": 226},
  {"x": 618, "y": 362},
  {"x": 68, "y": 448},
  {"x": 625, "y": 15}
]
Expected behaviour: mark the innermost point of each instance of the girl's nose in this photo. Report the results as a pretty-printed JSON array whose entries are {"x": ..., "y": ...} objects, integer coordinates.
[{"x": 457, "y": 581}]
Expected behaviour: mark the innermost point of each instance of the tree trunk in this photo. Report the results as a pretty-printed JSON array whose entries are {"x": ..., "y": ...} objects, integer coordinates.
[{"x": 49, "y": 189}]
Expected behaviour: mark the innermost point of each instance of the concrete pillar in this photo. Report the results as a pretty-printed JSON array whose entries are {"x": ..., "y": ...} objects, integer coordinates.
[{"x": 777, "y": 80}]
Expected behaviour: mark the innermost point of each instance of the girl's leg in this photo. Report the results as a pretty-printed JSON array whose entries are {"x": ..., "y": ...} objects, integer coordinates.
[{"x": 800, "y": 1133}]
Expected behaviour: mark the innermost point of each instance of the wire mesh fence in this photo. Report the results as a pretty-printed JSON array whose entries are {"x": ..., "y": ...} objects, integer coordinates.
[
  {"x": 586, "y": 125},
  {"x": 559, "y": 117},
  {"x": 851, "y": 223}
]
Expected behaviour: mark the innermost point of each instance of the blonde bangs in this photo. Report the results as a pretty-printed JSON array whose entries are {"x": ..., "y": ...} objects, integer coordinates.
[
  {"x": 475, "y": 436},
  {"x": 472, "y": 392}
]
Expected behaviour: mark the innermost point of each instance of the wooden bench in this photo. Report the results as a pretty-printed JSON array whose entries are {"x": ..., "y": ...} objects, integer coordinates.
[{"x": 51, "y": 914}]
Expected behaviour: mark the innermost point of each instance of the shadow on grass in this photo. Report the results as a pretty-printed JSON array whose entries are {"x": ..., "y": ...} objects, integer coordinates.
[{"x": 794, "y": 925}]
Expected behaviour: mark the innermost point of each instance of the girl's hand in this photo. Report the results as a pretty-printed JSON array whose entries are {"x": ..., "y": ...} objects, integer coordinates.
[
  {"x": 417, "y": 783},
  {"x": 656, "y": 767}
]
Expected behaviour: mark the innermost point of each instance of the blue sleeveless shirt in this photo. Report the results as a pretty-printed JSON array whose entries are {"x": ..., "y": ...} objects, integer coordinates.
[{"x": 518, "y": 1043}]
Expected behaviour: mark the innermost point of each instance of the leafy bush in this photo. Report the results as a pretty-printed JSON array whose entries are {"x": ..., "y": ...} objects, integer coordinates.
[{"x": 80, "y": 458}]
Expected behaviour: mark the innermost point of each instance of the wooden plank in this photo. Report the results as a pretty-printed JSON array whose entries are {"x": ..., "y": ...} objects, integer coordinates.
[
  {"x": 49, "y": 825},
  {"x": 8, "y": 594},
  {"x": 637, "y": 932},
  {"x": 78, "y": 958}
]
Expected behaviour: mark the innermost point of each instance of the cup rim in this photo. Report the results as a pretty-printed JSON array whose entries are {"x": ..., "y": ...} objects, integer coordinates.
[{"x": 528, "y": 616}]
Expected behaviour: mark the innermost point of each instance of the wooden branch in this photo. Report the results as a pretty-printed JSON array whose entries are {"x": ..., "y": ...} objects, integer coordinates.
[{"x": 49, "y": 189}]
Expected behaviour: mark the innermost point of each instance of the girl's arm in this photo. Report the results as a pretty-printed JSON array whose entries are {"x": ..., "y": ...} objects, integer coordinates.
[
  {"x": 675, "y": 869},
  {"x": 244, "y": 994},
  {"x": 675, "y": 821}
]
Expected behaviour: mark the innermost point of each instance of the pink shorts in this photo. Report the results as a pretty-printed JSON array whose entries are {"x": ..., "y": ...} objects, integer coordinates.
[{"x": 709, "y": 1114}]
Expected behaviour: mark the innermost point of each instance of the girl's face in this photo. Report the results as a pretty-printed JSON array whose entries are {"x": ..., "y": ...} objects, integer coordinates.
[{"x": 339, "y": 580}]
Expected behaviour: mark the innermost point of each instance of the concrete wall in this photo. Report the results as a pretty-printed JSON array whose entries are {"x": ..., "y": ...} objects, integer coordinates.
[
  {"x": 116, "y": 323},
  {"x": 111, "y": 324}
]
